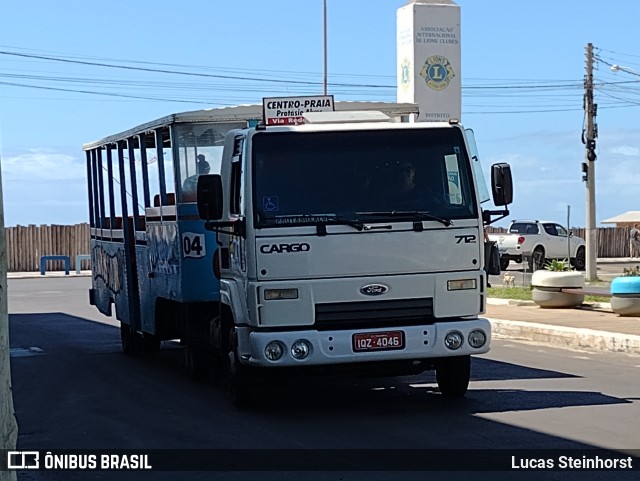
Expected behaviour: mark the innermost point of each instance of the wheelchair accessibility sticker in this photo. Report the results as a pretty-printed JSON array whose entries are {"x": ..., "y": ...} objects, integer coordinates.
[{"x": 270, "y": 204}]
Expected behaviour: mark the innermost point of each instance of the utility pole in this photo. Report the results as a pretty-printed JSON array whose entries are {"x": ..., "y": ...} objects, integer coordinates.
[
  {"x": 589, "y": 136},
  {"x": 8, "y": 424}
]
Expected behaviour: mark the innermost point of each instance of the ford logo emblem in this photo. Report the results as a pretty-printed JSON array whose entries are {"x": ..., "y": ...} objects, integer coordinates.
[{"x": 374, "y": 289}]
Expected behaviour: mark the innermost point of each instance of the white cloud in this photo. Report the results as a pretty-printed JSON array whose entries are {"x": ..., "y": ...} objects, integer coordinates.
[
  {"x": 42, "y": 165},
  {"x": 626, "y": 151}
]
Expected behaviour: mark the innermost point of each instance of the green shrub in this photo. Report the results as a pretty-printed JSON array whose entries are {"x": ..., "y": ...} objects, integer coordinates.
[{"x": 558, "y": 265}]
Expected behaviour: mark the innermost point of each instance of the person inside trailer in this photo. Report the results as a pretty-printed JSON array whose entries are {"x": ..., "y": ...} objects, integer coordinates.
[{"x": 190, "y": 184}]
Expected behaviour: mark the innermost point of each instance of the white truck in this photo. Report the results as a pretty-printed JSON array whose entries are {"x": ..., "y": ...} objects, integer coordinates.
[
  {"x": 326, "y": 265},
  {"x": 536, "y": 242}
]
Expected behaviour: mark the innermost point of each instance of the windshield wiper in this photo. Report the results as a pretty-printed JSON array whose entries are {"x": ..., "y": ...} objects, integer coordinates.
[
  {"x": 338, "y": 219},
  {"x": 413, "y": 214},
  {"x": 323, "y": 221}
]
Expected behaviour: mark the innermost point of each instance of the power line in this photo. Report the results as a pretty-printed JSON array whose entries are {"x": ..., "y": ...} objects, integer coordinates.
[
  {"x": 177, "y": 72},
  {"x": 504, "y": 96}
]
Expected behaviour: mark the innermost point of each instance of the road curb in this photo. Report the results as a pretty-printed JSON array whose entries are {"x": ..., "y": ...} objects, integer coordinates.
[
  {"x": 497, "y": 301},
  {"x": 567, "y": 337}
]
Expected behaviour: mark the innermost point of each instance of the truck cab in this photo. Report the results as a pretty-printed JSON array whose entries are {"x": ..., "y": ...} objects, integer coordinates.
[{"x": 349, "y": 241}]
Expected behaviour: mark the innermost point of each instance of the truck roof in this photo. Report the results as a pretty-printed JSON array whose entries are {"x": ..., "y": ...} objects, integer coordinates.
[{"x": 372, "y": 125}]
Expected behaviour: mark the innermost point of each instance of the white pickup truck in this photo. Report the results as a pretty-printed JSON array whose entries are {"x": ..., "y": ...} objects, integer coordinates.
[{"x": 536, "y": 242}]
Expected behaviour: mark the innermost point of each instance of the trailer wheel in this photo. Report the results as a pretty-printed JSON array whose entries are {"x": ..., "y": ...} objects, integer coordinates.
[
  {"x": 194, "y": 362},
  {"x": 453, "y": 374},
  {"x": 150, "y": 344},
  {"x": 129, "y": 339}
]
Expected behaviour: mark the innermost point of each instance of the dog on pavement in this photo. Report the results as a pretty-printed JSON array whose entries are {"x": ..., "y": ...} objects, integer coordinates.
[{"x": 509, "y": 280}]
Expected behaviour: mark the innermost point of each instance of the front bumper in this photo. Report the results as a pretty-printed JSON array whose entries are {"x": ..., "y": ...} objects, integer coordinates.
[{"x": 336, "y": 347}]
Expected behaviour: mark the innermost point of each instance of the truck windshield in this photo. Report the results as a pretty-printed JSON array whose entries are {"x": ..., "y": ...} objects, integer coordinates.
[{"x": 363, "y": 175}]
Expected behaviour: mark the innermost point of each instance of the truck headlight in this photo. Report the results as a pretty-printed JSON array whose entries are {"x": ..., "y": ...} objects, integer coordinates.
[
  {"x": 461, "y": 284},
  {"x": 275, "y": 294}
]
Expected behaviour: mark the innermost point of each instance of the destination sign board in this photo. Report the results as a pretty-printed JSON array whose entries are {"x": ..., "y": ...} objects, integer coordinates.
[{"x": 289, "y": 110}]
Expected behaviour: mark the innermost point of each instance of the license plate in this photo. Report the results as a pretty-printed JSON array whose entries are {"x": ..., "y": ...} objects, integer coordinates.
[{"x": 378, "y": 341}]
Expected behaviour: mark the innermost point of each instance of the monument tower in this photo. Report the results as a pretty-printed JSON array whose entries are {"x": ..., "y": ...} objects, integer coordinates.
[{"x": 429, "y": 60}]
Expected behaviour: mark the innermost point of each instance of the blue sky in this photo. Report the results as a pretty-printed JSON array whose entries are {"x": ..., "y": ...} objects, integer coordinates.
[{"x": 523, "y": 65}]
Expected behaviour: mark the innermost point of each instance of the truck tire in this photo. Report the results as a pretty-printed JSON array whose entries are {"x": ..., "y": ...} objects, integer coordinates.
[
  {"x": 453, "y": 374},
  {"x": 537, "y": 259},
  {"x": 504, "y": 263},
  {"x": 580, "y": 260},
  {"x": 234, "y": 376},
  {"x": 129, "y": 339}
]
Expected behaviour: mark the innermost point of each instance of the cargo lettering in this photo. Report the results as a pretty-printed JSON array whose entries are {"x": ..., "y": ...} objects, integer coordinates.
[{"x": 284, "y": 248}]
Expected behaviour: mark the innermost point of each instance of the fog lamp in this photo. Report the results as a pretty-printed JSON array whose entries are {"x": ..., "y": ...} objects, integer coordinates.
[
  {"x": 453, "y": 340},
  {"x": 274, "y": 350},
  {"x": 300, "y": 349},
  {"x": 477, "y": 338}
]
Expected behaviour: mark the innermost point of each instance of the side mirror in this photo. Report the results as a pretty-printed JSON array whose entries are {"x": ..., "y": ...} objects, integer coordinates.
[
  {"x": 501, "y": 184},
  {"x": 210, "y": 197}
]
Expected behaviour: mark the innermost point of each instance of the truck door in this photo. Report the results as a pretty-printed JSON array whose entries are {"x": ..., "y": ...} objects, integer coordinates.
[{"x": 234, "y": 245}]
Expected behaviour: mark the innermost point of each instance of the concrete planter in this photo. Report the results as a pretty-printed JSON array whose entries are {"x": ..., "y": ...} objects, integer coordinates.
[
  {"x": 547, "y": 287},
  {"x": 625, "y": 296}
]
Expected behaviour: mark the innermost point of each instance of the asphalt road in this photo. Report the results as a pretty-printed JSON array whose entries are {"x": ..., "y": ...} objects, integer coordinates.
[{"x": 78, "y": 391}]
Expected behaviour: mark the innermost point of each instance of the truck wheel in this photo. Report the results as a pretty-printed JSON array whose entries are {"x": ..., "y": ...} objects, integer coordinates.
[
  {"x": 504, "y": 263},
  {"x": 536, "y": 261},
  {"x": 235, "y": 379},
  {"x": 580, "y": 261},
  {"x": 453, "y": 374}
]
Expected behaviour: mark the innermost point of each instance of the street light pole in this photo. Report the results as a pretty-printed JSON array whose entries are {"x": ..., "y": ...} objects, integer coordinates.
[{"x": 589, "y": 169}]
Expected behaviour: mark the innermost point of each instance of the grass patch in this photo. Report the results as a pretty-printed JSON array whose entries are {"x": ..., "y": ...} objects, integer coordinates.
[
  {"x": 519, "y": 293},
  {"x": 597, "y": 299},
  {"x": 524, "y": 294}
]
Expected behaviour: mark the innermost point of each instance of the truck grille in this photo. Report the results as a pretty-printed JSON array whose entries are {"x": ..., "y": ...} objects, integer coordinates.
[{"x": 374, "y": 314}]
